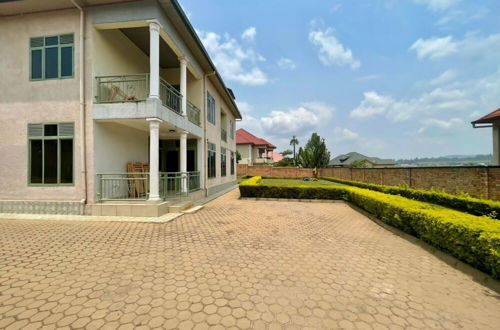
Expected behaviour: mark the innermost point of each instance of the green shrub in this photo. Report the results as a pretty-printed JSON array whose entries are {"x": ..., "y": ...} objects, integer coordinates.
[
  {"x": 461, "y": 202},
  {"x": 473, "y": 239}
]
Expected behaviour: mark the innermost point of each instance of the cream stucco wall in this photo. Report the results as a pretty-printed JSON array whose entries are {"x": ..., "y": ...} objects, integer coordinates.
[
  {"x": 116, "y": 145},
  {"x": 23, "y": 101},
  {"x": 213, "y": 135},
  {"x": 114, "y": 54}
]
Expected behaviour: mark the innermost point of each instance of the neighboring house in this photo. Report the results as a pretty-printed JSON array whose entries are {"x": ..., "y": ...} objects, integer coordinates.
[
  {"x": 371, "y": 162},
  {"x": 105, "y": 101},
  {"x": 491, "y": 120},
  {"x": 277, "y": 157},
  {"x": 253, "y": 150}
]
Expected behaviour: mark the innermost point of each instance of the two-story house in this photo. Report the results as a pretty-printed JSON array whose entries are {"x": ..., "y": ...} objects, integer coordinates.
[{"x": 109, "y": 107}]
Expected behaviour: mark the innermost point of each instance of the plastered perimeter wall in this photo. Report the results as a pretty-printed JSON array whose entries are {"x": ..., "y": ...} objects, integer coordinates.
[{"x": 480, "y": 182}]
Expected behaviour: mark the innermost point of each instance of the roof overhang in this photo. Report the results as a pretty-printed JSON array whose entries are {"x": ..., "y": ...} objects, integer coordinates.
[
  {"x": 174, "y": 12},
  {"x": 21, "y": 7}
]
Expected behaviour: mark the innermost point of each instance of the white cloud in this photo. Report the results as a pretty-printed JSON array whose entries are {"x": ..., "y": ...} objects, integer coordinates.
[
  {"x": 372, "y": 105},
  {"x": 344, "y": 134},
  {"x": 286, "y": 63},
  {"x": 440, "y": 124},
  {"x": 438, "y": 100},
  {"x": 463, "y": 16},
  {"x": 244, "y": 107},
  {"x": 444, "y": 77},
  {"x": 437, "y": 5},
  {"x": 249, "y": 34},
  {"x": 459, "y": 99},
  {"x": 434, "y": 48},
  {"x": 331, "y": 51},
  {"x": 472, "y": 45},
  {"x": 278, "y": 124},
  {"x": 295, "y": 121},
  {"x": 234, "y": 62}
]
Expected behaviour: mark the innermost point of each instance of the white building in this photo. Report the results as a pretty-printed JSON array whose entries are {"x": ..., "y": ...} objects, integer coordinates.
[{"x": 109, "y": 107}]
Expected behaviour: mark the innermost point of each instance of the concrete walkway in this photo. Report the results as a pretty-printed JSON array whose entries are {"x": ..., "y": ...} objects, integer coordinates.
[{"x": 234, "y": 264}]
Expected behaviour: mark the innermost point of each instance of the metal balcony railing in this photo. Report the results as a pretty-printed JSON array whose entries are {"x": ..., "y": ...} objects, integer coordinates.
[
  {"x": 135, "y": 186},
  {"x": 124, "y": 88},
  {"x": 170, "y": 97},
  {"x": 135, "y": 88},
  {"x": 193, "y": 114}
]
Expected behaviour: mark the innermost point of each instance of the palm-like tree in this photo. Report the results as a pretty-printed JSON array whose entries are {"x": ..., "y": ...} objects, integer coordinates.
[{"x": 294, "y": 142}]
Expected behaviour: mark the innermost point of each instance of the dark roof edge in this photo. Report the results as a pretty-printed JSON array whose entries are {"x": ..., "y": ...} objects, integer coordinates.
[{"x": 191, "y": 29}]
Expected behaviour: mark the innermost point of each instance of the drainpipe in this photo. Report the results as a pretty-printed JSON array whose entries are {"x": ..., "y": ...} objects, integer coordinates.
[
  {"x": 205, "y": 152},
  {"x": 83, "y": 154}
]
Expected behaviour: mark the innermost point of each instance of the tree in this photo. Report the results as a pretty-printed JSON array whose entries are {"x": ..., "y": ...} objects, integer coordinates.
[
  {"x": 315, "y": 154},
  {"x": 294, "y": 142},
  {"x": 286, "y": 153},
  {"x": 238, "y": 157}
]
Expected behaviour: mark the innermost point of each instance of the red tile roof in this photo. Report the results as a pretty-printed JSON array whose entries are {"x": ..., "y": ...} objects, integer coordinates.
[
  {"x": 245, "y": 137},
  {"x": 495, "y": 115}
]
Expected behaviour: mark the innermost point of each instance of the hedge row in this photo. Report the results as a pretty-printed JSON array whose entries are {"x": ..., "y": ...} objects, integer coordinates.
[
  {"x": 473, "y": 239},
  {"x": 470, "y": 205}
]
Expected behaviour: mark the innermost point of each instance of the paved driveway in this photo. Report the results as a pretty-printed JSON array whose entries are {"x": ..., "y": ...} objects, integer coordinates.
[{"x": 236, "y": 263}]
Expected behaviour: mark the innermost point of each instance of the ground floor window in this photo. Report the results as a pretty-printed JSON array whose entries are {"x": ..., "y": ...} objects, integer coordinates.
[
  {"x": 223, "y": 161},
  {"x": 212, "y": 151},
  {"x": 232, "y": 162},
  {"x": 50, "y": 153}
]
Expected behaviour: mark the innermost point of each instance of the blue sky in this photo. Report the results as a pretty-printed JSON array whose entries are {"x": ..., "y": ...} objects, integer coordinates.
[{"x": 388, "y": 78}]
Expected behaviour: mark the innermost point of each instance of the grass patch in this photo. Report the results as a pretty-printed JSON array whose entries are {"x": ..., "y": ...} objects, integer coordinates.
[
  {"x": 295, "y": 182},
  {"x": 475, "y": 206},
  {"x": 473, "y": 239}
]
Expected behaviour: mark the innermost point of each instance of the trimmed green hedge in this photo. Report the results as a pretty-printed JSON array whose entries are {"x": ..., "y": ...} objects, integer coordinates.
[
  {"x": 473, "y": 239},
  {"x": 470, "y": 205}
]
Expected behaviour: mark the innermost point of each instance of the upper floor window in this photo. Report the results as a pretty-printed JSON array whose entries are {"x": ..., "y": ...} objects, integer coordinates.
[
  {"x": 210, "y": 108},
  {"x": 50, "y": 153},
  {"x": 52, "y": 57},
  {"x": 231, "y": 129}
]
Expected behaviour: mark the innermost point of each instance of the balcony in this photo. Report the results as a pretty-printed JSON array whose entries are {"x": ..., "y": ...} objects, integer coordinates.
[
  {"x": 193, "y": 114},
  {"x": 223, "y": 135},
  {"x": 135, "y": 88},
  {"x": 135, "y": 186}
]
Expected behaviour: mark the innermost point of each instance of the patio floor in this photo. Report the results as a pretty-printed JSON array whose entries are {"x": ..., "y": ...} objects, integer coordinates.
[{"x": 236, "y": 263}]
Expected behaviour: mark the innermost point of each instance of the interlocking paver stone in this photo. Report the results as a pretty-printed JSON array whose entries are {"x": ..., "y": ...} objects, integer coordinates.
[{"x": 234, "y": 264}]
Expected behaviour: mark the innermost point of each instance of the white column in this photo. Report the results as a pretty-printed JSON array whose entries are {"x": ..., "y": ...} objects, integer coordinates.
[
  {"x": 496, "y": 145},
  {"x": 250, "y": 154},
  {"x": 183, "y": 159},
  {"x": 154, "y": 59},
  {"x": 154, "y": 151},
  {"x": 200, "y": 161},
  {"x": 183, "y": 80}
]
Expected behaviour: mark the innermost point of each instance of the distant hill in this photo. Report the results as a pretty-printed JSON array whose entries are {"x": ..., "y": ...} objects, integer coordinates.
[{"x": 450, "y": 160}]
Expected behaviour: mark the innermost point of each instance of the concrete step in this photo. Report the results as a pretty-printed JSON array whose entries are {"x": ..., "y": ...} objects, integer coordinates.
[
  {"x": 193, "y": 209},
  {"x": 178, "y": 207}
]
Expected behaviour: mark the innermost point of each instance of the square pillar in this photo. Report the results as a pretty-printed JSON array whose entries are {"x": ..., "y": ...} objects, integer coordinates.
[
  {"x": 496, "y": 144},
  {"x": 200, "y": 161},
  {"x": 154, "y": 161},
  {"x": 183, "y": 85},
  {"x": 154, "y": 59},
  {"x": 183, "y": 160}
]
